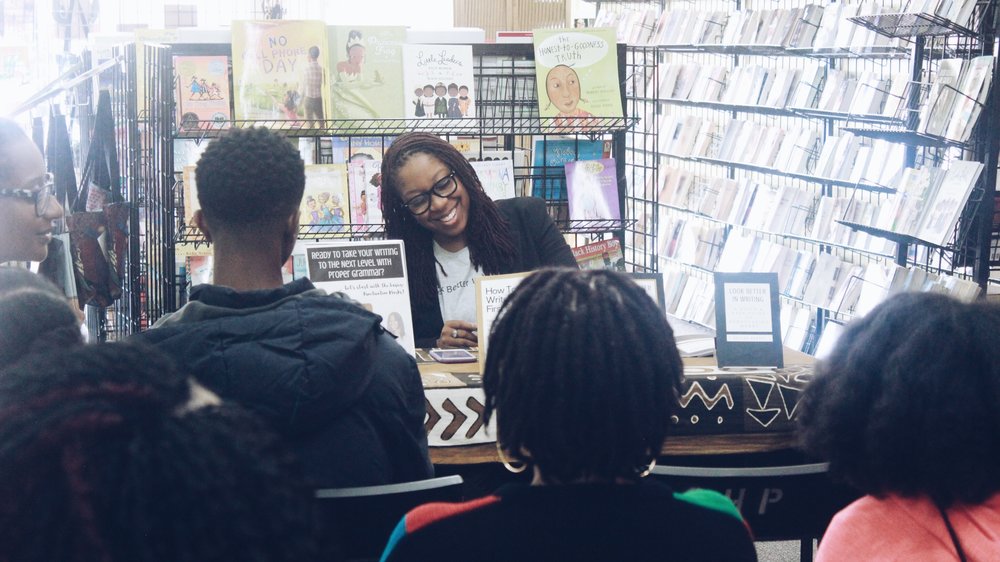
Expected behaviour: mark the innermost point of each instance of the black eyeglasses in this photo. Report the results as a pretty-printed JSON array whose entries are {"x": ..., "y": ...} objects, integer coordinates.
[
  {"x": 419, "y": 204},
  {"x": 40, "y": 197}
]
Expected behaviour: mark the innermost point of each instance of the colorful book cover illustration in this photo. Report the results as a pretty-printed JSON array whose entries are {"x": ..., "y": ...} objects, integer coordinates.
[
  {"x": 352, "y": 149},
  {"x": 373, "y": 273},
  {"x": 367, "y": 72},
  {"x": 577, "y": 75},
  {"x": 325, "y": 201},
  {"x": 203, "y": 93},
  {"x": 550, "y": 157},
  {"x": 438, "y": 82},
  {"x": 281, "y": 70},
  {"x": 592, "y": 189},
  {"x": 365, "y": 177},
  {"x": 497, "y": 177},
  {"x": 606, "y": 254}
]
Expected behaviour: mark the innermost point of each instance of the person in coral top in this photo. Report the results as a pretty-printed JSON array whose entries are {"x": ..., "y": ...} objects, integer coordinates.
[{"x": 907, "y": 410}]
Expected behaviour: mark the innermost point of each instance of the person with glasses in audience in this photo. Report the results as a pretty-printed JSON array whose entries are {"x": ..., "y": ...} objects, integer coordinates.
[
  {"x": 453, "y": 232},
  {"x": 27, "y": 206}
]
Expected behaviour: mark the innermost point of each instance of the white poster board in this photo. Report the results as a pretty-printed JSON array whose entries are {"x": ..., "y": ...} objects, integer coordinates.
[{"x": 370, "y": 272}]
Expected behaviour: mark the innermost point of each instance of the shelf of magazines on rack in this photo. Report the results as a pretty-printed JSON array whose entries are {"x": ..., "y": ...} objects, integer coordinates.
[{"x": 847, "y": 128}]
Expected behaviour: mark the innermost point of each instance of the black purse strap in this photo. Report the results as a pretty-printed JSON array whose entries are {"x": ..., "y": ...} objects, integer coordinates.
[
  {"x": 101, "y": 166},
  {"x": 951, "y": 533}
]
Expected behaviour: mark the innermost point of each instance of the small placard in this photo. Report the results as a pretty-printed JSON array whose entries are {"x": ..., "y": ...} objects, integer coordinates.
[
  {"x": 370, "y": 272},
  {"x": 652, "y": 283},
  {"x": 491, "y": 292},
  {"x": 747, "y": 320}
]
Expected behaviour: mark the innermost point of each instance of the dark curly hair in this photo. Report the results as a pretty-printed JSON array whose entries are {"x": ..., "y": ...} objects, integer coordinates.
[
  {"x": 491, "y": 245},
  {"x": 583, "y": 400},
  {"x": 34, "y": 316},
  {"x": 103, "y": 459},
  {"x": 249, "y": 178},
  {"x": 909, "y": 401}
]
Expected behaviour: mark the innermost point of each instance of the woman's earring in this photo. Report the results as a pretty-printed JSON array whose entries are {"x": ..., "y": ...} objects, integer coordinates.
[
  {"x": 506, "y": 464},
  {"x": 648, "y": 469}
]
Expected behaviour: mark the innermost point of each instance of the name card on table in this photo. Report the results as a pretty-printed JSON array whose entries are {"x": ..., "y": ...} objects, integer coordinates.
[
  {"x": 491, "y": 292},
  {"x": 747, "y": 320},
  {"x": 370, "y": 272}
]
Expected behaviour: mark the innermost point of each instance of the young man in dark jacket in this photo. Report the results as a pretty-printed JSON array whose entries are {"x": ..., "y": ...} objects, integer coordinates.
[{"x": 319, "y": 367}]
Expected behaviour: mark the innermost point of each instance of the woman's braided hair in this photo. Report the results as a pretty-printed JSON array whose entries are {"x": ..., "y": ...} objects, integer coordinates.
[{"x": 101, "y": 462}]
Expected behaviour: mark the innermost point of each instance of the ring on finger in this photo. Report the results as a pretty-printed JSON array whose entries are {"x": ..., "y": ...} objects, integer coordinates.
[{"x": 454, "y": 333}]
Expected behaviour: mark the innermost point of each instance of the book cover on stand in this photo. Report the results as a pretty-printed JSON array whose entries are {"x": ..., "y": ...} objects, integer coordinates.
[
  {"x": 604, "y": 254},
  {"x": 367, "y": 72},
  {"x": 497, "y": 177},
  {"x": 373, "y": 273},
  {"x": 549, "y": 157},
  {"x": 592, "y": 190},
  {"x": 438, "y": 82},
  {"x": 352, "y": 149},
  {"x": 365, "y": 182},
  {"x": 203, "y": 92},
  {"x": 577, "y": 75},
  {"x": 747, "y": 319},
  {"x": 325, "y": 201},
  {"x": 275, "y": 76}
]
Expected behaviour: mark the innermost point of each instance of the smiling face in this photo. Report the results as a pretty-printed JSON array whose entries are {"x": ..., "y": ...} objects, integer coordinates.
[
  {"x": 23, "y": 235},
  {"x": 447, "y": 216},
  {"x": 563, "y": 88}
]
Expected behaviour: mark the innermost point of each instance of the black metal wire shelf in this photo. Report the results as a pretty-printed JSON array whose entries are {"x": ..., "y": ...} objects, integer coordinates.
[
  {"x": 888, "y": 234},
  {"x": 883, "y": 51},
  {"x": 900, "y": 135},
  {"x": 593, "y": 226},
  {"x": 389, "y": 127},
  {"x": 188, "y": 234},
  {"x": 906, "y": 25},
  {"x": 844, "y": 116},
  {"x": 794, "y": 175},
  {"x": 804, "y": 112}
]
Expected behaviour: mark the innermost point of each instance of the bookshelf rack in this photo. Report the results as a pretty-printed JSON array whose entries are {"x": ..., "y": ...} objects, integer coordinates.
[{"x": 914, "y": 58}]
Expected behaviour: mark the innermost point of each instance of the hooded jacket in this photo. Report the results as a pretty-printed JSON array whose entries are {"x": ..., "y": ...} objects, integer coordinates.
[{"x": 347, "y": 398}]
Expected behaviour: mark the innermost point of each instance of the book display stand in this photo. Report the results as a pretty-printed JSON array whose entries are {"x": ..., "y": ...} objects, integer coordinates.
[
  {"x": 821, "y": 142},
  {"x": 507, "y": 121}
]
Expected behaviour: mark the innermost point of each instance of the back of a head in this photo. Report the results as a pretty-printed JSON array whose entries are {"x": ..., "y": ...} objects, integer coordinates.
[
  {"x": 908, "y": 402},
  {"x": 34, "y": 316},
  {"x": 248, "y": 179},
  {"x": 583, "y": 374},
  {"x": 105, "y": 456}
]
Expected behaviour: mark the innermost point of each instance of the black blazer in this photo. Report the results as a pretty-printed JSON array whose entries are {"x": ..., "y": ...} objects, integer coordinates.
[{"x": 538, "y": 243}]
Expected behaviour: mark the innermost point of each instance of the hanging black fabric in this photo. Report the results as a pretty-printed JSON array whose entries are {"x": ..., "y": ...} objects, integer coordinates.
[{"x": 99, "y": 222}]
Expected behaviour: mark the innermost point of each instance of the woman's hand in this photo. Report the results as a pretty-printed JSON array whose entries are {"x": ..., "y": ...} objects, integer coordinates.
[{"x": 457, "y": 333}]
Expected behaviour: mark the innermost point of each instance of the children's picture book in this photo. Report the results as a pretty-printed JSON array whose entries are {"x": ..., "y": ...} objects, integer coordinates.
[
  {"x": 365, "y": 177},
  {"x": 438, "y": 82},
  {"x": 367, "y": 72},
  {"x": 577, "y": 75},
  {"x": 605, "y": 254},
  {"x": 491, "y": 292},
  {"x": 203, "y": 93},
  {"x": 497, "y": 177},
  {"x": 549, "y": 157},
  {"x": 325, "y": 201},
  {"x": 373, "y": 273},
  {"x": 352, "y": 149},
  {"x": 592, "y": 190},
  {"x": 281, "y": 70}
]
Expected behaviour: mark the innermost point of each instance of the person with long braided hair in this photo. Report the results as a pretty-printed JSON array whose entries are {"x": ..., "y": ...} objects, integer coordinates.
[
  {"x": 109, "y": 454},
  {"x": 453, "y": 232},
  {"x": 587, "y": 409},
  {"x": 34, "y": 316}
]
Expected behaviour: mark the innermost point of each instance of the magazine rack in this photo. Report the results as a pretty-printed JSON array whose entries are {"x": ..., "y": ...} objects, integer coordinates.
[{"x": 919, "y": 42}]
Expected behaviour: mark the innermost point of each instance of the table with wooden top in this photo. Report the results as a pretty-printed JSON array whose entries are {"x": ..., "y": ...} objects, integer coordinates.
[{"x": 723, "y": 411}]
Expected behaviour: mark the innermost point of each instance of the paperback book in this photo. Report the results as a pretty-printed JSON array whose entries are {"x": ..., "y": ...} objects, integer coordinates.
[
  {"x": 203, "y": 93},
  {"x": 438, "y": 82},
  {"x": 281, "y": 70},
  {"x": 549, "y": 157},
  {"x": 325, "y": 201},
  {"x": 497, "y": 177},
  {"x": 577, "y": 75},
  {"x": 365, "y": 182},
  {"x": 605, "y": 254},
  {"x": 592, "y": 190},
  {"x": 367, "y": 73}
]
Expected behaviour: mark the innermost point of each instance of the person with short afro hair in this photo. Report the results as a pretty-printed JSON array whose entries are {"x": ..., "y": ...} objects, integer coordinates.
[
  {"x": 109, "y": 453},
  {"x": 319, "y": 367},
  {"x": 907, "y": 410},
  {"x": 586, "y": 407}
]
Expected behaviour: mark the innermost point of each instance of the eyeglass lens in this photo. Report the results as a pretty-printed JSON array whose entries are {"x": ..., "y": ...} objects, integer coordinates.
[{"x": 421, "y": 203}]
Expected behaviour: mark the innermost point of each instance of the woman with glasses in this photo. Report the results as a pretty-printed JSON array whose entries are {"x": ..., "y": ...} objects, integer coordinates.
[
  {"x": 434, "y": 202},
  {"x": 27, "y": 207}
]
